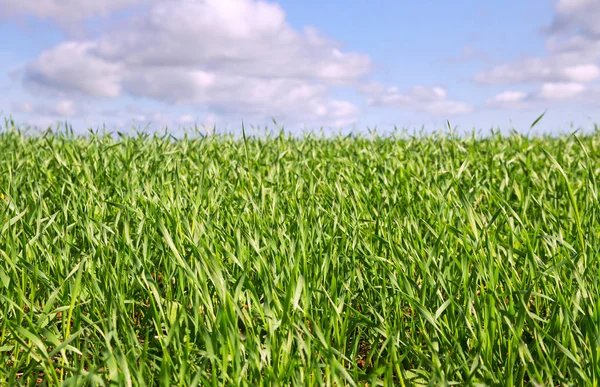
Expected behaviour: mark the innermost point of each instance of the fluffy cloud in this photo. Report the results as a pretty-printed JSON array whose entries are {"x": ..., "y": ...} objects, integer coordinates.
[
  {"x": 547, "y": 92},
  {"x": 232, "y": 58},
  {"x": 432, "y": 100},
  {"x": 65, "y": 108},
  {"x": 561, "y": 91},
  {"x": 235, "y": 57},
  {"x": 572, "y": 60},
  {"x": 65, "y": 11},
  {"x": 509, "y": 99},
  {"x": 582, "y": 73},
  {"x": 71, "y": 67}
]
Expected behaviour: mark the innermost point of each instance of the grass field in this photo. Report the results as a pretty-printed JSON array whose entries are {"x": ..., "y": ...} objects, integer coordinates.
[{"x": 144, "y": 260}]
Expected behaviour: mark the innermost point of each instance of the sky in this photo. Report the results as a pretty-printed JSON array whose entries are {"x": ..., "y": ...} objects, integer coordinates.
[{"x": 351, "y": 65}]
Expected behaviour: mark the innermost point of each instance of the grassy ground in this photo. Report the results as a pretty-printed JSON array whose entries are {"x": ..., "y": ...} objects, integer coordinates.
[{"x": 346, "y": 261}]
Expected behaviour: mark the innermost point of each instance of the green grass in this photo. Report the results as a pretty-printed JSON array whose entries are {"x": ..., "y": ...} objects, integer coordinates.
[{"x": 145, "y": 260}]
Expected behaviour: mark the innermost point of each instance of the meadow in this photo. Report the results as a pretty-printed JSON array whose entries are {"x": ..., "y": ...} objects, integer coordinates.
[{"x": 299, "y": 260}]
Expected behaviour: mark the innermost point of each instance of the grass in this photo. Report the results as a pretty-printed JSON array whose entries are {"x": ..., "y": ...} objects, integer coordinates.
[{"x": 144, "y": 260}]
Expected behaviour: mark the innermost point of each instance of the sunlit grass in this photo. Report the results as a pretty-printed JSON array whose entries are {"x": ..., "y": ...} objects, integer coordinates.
[{"x": 145, "y": 260}]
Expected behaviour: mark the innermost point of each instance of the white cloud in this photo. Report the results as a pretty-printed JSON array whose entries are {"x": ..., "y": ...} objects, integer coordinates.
[
  {"x": 419, "y": 98},
  {"x": 65, "y": 11},
  {"x": 583, "y": 73},
  {"x": 510, "y": 96},
  {"x": 513, "y": 99},
  {"x": 186, "y": 119},
  {"x": 341, "y": 109},
  {"x": 235, "y": 57},
  {"x": 65, "y": 108},
  {"x": 571, "y": 5},
  {"x": 561, "y": 91},
  {"x": 242, "y": 37},
  {"x": 71, "y": 67},
  {"x": 510, "y": 99},
  {"x": 572, "y": 60},
  {"x": 548, "y": 91},
  {"x": 232, "y": 58},
  {"x": 557, "y": 68}
]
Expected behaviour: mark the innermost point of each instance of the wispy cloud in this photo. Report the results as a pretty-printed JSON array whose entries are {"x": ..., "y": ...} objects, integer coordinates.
[
  {"x": 419, "y": 98},
  {"x": 571, "y": 63}
]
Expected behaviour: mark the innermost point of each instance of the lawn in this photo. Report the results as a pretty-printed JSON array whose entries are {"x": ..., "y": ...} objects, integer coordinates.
[{"x": 299, "y": 260}]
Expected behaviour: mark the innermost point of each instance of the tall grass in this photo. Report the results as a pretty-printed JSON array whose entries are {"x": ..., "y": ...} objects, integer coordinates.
[{"x": 143, "y": 260}]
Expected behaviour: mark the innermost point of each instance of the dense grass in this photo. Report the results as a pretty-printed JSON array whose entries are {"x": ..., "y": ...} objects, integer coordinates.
[{"x": 307, "y": 261}]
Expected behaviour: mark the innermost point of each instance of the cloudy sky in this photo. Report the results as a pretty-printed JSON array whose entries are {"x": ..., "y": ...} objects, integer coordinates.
[{"x": 307, "y": 64}]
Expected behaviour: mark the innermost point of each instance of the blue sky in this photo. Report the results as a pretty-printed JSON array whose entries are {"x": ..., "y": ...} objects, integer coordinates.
[{"x": 353, "y": 64}]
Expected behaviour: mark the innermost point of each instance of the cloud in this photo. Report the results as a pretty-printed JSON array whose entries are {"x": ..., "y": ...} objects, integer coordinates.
[
  {"x": 62, "y": 108},
  {"x": 547, "y": 92},
  {"x": 582, "y": 73},
  {"x": 561, "y": 91},
  {"x": 65, "y": 108},
  {"x": 431, "y": 100},
  {"x": 510, "y": 99},
  {"x": 65, "y": 11},
  {"x": 571, "y": 62},
  {"x": 580, "y": 16},
  {"x": 186, "y": 119},
  {"x": 71, "y": 67},
  {"x": 557, "y": 68},
  {"x": 237, "y": 57}
]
